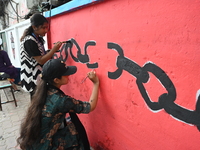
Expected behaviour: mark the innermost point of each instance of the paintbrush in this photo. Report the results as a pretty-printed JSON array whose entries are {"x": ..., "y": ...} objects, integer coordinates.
[
  {"x": 64, "y": 42},
  {"x": 85, "y": 78}
]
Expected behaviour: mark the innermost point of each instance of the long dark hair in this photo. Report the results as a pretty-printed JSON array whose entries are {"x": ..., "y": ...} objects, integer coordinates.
[
  {"x": 31, "y": 125},
  {"x": 36, "y": 20}
]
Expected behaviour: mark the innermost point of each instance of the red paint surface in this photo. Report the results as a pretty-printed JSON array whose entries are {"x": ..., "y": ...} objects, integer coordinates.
[{"x": 163, "y": 32}]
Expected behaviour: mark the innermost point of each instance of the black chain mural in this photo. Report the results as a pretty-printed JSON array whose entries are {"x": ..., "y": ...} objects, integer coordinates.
[
  {"x": 166, "y": 101},
  {"x": 82, "y": 58}
]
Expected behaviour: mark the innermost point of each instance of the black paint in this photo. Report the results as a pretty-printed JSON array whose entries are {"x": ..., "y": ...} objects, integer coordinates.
[
  {"x": 82, "y": 58},
  {"x": 166, "y": 101}
]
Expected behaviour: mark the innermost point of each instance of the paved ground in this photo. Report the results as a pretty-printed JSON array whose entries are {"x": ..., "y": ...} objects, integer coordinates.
[{"x": 10, "y": 118}]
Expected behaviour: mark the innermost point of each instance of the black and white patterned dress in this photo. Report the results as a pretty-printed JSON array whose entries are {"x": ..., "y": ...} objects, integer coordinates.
[{"x": 30, "y": 68}]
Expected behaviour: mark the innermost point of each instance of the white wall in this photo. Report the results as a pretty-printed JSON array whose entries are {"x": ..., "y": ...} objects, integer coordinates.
[
  {"x": 15, "y": 12},
  {"x": 14, "y": 47}
]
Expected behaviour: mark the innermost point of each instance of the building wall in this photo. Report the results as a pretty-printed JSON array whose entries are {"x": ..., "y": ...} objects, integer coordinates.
[
  {"x": 11, "y": 41},
  {"x": 146, "y": 54},
  {"x": 15, "y": 11}
]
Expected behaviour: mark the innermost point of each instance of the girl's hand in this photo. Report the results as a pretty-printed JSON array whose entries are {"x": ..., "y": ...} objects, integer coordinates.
[
  {"x": 93, "y": 77},
  {"x": 94, "y": 96},
  {"x": 56, "y": 46}
]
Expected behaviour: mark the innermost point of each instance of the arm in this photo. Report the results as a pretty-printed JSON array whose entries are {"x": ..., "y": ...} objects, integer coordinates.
[
  {"x": 42, "y": 59},
  {"x": 7, "y": 60},
  {"x": 94, "y": 96}
]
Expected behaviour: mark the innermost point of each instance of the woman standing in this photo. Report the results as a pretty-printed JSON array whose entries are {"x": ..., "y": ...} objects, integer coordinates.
[{"x": 32, "y": 52}]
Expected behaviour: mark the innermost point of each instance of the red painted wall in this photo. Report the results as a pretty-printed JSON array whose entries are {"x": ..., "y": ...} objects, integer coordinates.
[{"x": 165, "y": 33}]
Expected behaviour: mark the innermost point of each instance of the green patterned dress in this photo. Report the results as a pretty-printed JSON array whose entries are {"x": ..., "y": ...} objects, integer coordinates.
[{"x": 56, "y": 132}]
